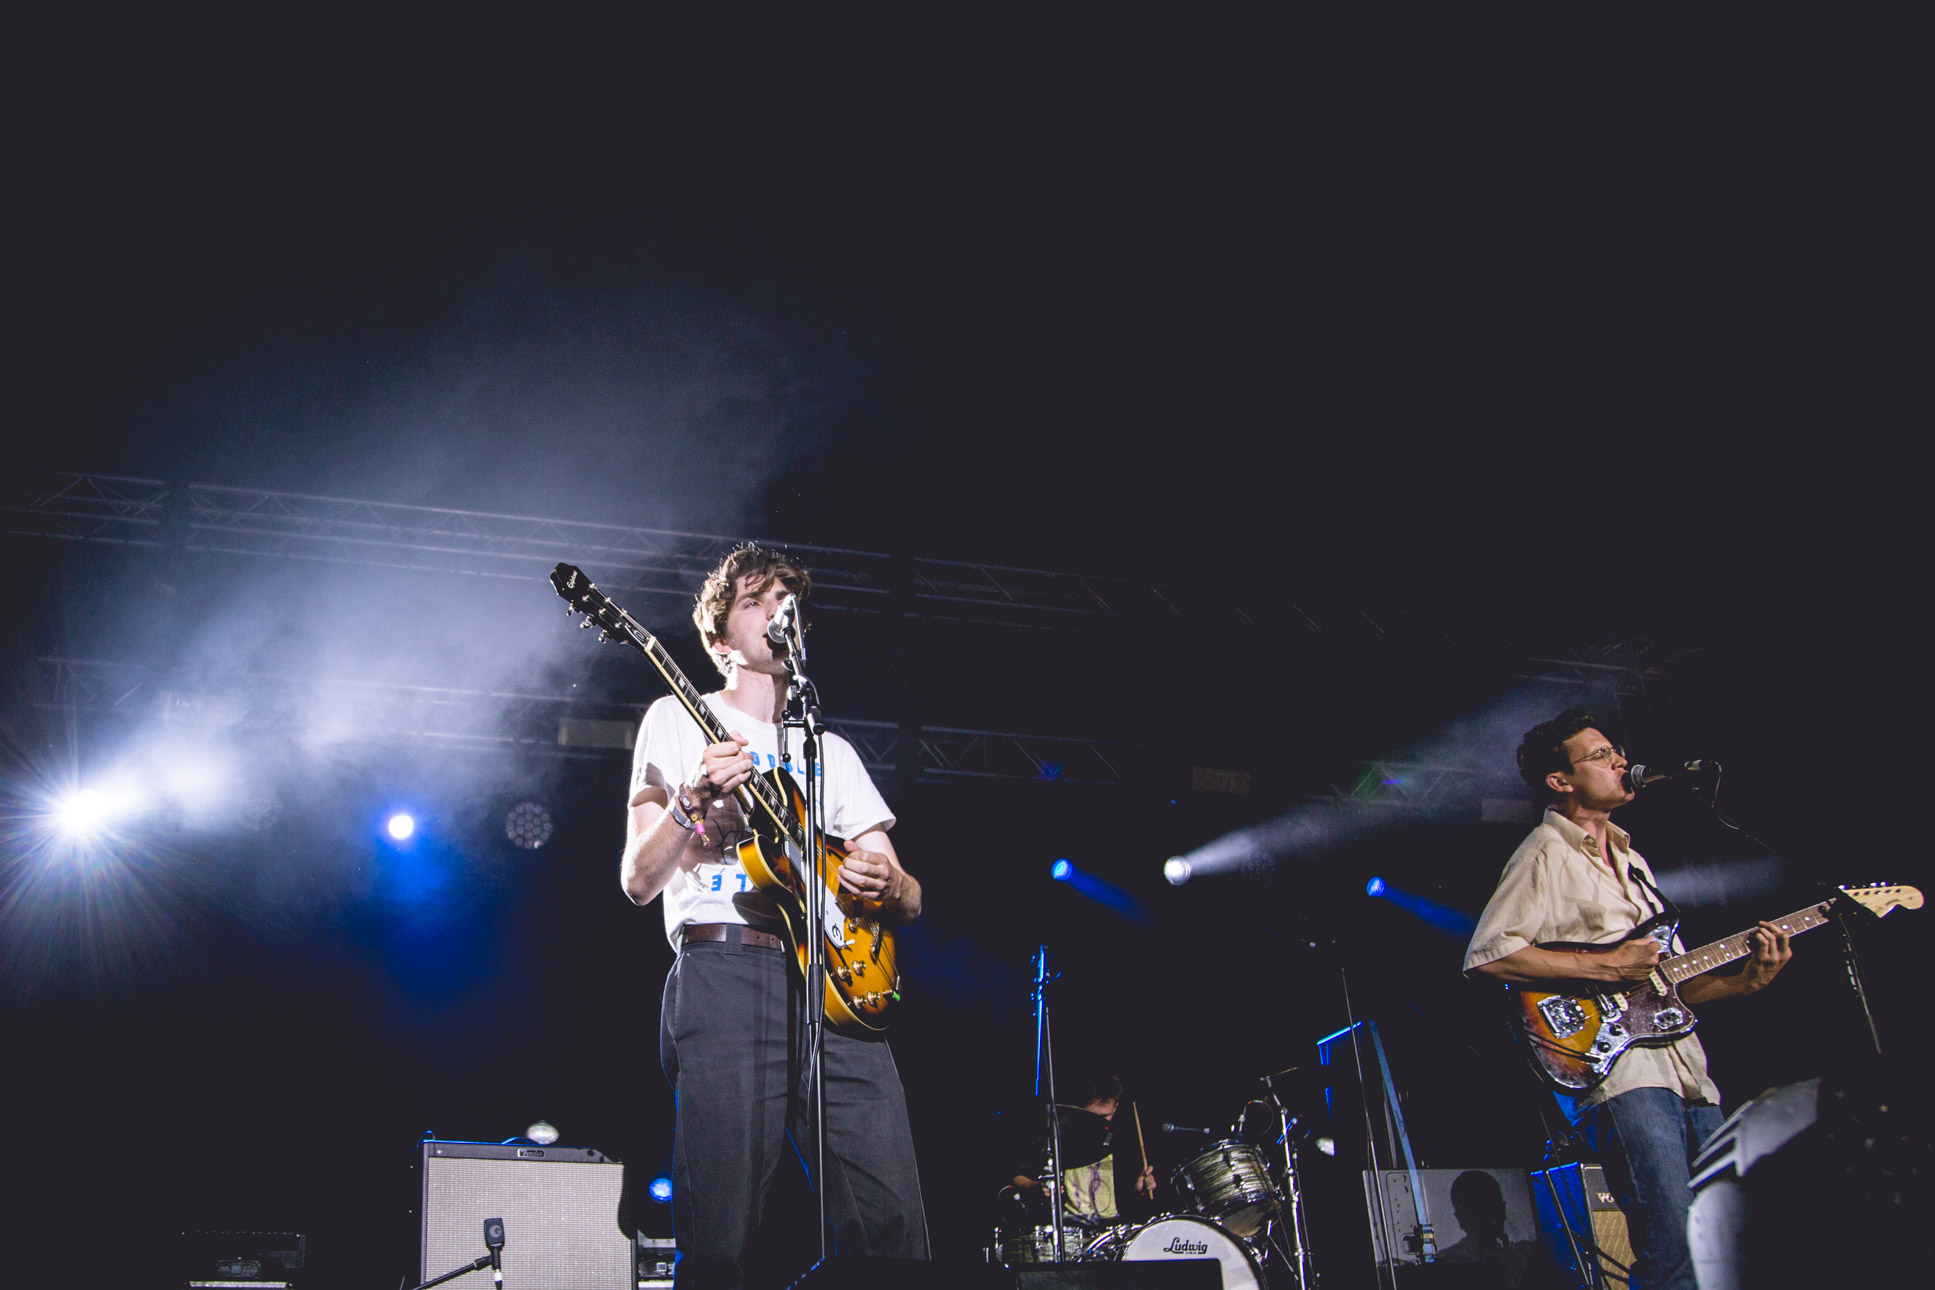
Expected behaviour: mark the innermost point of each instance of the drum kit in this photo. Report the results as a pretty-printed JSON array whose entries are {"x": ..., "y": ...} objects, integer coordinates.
[
  {"x": 1240, "y": 1202},
  {"x": 1237, "y": 1201}
]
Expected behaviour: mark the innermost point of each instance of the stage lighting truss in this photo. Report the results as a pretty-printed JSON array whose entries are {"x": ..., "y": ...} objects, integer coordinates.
[
  {"x": 206, "y": 517},
  {"x": 527, "y": 825}
]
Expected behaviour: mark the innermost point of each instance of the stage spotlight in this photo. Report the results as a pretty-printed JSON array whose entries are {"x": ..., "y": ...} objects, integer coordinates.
[
  {"x": 1060, "y": 870},
  {"x": 543, "y": 1133},
  {"x": 1375, "y": 887},
  {"x": 662, "y": 1190},
  {"x": 1176, "y": 870},
  {"x": 401, "y": 826},
  {"x": 527, "y": 825},
  {"x": 1327, "y": 1145},
  {"x": 82, "y": 813}
]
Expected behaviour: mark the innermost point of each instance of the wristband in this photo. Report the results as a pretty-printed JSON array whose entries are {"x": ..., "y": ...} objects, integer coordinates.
[{"x": 688, "y": 814}]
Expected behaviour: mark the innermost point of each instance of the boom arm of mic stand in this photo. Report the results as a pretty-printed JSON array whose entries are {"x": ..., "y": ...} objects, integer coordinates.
[{"x": 475, "y": 1265}]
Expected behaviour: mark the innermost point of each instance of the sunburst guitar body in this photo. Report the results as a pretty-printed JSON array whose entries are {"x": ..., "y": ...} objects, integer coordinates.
[
  {"x": 1576, "y": 1031},
  {"x": 862, "y": 961}
]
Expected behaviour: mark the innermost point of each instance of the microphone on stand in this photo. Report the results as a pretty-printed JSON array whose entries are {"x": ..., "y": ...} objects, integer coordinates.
[
  {"x": 494, "y": 1238},
  {"x": 1638, "y": 777},
  {"x": 1185, "y": 1128},
  {"x": 780, "y": 630}
]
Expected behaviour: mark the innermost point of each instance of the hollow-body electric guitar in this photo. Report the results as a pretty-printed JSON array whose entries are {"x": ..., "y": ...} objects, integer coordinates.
[
  {"x": 1575, "y": 1031},
  {"x": 862, "y": 962}
]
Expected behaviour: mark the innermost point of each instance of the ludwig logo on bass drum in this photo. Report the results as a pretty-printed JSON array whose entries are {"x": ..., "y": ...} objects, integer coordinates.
[{"x": 1179, "y": 1246}]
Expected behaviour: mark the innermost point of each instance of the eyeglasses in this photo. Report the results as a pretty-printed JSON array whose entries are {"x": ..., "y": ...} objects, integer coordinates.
[{"x": 1605, "y": 754}]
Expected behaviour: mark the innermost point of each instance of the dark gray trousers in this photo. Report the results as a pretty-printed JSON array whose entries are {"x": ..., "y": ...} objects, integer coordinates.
[{"x": 730, "y": 1031}]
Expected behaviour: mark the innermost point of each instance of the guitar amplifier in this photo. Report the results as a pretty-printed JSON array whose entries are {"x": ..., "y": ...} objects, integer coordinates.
[
  {"x": 1477, "y": 1216},
  {"x": 560, "y": 1206},
  {"x": 1576, "y": 1197}
]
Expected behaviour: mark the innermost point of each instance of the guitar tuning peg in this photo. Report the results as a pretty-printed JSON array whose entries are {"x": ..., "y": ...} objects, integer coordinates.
[{"x": 586, "y": 623}]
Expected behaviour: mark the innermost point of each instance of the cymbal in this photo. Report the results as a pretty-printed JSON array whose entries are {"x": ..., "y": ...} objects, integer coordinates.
[{"x": 1085, "y": 1135}]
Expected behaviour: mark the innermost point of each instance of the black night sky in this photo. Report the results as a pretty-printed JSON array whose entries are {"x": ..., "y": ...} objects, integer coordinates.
[{"x": 1471, "y": 323}]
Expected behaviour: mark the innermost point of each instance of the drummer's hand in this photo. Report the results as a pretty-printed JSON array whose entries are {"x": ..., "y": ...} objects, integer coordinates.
[{"x": 1146, "y": 1184}]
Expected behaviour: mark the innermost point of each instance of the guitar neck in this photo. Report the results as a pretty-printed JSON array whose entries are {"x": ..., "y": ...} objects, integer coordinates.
[
  {"x": 756, "y": 789},
  {"x": 1738, "y": 946}
]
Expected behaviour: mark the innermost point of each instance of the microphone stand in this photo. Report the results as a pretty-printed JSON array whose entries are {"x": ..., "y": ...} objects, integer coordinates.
[
  {"x": 1045, "y": 1078},
  {"x": 1842, "y": 907},
  {"x": 476, "y": 1265},
  {"x": 803, "y": 714},
  {"x": 494, "y": 1260}
]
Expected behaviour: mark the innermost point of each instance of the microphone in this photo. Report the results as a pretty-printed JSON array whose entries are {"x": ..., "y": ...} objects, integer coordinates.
[
  {"x": 1638, "y": 777},
  {"x": 494, "y": 1238},
  {"x": 1184, "y": 1128},
  {"x": 780, "y": 631}
]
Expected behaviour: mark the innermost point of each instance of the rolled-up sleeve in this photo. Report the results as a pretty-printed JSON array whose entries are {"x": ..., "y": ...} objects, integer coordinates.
[{"x": 1515, "y": 917}]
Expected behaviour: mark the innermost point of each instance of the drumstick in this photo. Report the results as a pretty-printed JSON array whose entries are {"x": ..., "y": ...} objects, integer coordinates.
[{"x": 1136, "y": 1111}]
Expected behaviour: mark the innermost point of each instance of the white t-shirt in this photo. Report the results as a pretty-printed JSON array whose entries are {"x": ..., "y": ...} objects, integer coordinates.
[{"x": 717, "y": 889}]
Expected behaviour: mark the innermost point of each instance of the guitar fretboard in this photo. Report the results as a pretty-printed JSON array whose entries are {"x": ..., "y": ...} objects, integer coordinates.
[
  {"x": 1738, "y": 946},
  {"x": 619, "y": 625},
  {"x": 688, "y": 694}
]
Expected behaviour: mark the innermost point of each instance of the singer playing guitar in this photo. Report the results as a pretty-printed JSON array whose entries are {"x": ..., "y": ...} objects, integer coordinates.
[
  {"x": 730, "y": 1033},
  {"x": 1576, "y": 878}
]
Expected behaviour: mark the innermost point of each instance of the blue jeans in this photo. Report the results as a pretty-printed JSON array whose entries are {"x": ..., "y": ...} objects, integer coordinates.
[{"x": 1646, "y": 1140}]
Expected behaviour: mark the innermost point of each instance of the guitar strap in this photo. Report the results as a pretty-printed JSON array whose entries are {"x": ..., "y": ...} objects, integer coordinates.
[{"x": 1661, "y": 902}]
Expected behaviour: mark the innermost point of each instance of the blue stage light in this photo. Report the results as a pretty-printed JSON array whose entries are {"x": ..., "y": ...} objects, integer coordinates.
[
  {"x": 401, "y": 826},
  {"x": 1060, "y": 870},
  {"x": 1375, "y": 887},
  {"x": 662, "y": 1190}
]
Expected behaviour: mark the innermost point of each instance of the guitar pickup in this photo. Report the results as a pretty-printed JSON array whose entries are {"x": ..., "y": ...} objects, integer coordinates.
[{"x": 1563, "y": 1015}]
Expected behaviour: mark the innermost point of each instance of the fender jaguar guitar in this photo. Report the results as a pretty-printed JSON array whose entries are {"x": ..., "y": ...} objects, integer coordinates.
[
  {"x": 862, "y": 961},
  {"x": 1576, "y": 1031}
]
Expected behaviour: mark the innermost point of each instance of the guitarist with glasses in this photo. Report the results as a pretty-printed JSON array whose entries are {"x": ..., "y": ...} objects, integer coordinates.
[
  {"x": 1577, "y": 879},
  {"x": 730, "y": 1032}
]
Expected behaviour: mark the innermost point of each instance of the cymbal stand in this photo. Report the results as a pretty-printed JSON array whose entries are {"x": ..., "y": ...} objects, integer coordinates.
[
  {"x": 1045, "y": 1089},
  {"x": 1298, "y": 1254}
]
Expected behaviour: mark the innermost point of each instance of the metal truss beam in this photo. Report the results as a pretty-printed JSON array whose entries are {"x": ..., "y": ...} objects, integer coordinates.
[
  {"x": 1408, "y": 786},
  {"x": 215, "y": 518},
  {"x": 550, "y": 725},
  {"x": 347, "y": 711}
]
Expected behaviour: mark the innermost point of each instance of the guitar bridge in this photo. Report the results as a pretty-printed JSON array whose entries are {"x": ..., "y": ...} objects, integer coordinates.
[{"x": 1563, "y": 1015}]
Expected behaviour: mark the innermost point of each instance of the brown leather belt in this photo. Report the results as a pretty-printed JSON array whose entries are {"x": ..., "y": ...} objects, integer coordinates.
[{"x": 732, "y": 934}]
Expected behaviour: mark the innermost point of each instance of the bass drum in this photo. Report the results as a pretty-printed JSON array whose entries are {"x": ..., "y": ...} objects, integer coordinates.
[{"x": 1179, "y": 1236}]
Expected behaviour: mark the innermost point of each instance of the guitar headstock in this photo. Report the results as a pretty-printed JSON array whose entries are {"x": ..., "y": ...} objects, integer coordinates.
[
  {"x": 1879, "y": 900},
  {"x": 583, "y": 597}
]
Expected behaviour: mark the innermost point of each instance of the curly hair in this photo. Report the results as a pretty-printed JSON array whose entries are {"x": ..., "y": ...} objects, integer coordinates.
[
  {"x": 1542, "y": 751},
  {"x": 715, "y": 597}
]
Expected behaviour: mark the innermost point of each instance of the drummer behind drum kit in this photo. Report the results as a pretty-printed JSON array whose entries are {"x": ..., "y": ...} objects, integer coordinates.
[{"x": 1240, "y": 1206}]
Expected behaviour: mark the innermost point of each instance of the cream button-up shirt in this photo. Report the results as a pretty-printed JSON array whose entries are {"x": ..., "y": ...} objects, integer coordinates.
[{"x": 1557, "y": 887}]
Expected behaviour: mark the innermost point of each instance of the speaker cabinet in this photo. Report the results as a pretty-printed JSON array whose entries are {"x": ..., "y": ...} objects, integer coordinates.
[
  {"x": 560, "y": 1206},
  {"x": 1576, "y": 1197},
  {"x": 1477, "y": 1216}
]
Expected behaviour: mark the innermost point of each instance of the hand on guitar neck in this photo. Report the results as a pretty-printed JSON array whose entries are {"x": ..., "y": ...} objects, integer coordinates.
[{"x": 1771, "y": 953}]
